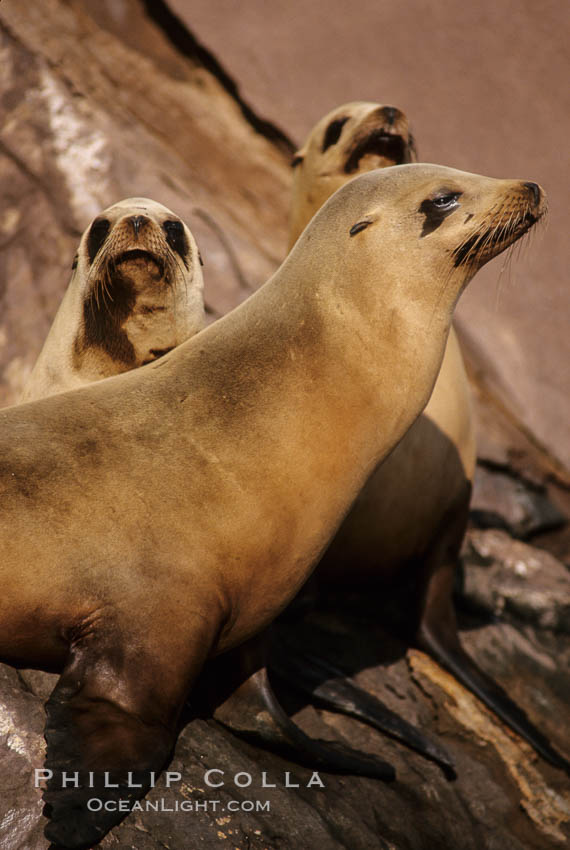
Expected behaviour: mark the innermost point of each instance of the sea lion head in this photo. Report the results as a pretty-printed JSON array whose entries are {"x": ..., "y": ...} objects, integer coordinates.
[
  {"x": 138, "y": 273},
  {"x": 420, "y": 230},
  {"x": 350, "y": 140}
]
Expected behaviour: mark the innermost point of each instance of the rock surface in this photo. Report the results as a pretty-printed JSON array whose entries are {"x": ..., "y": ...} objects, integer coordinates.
[
  {"x": 102, "y": 101},
  {"x": 504, "y": 577},
  {"x": 521, "y": 506}
]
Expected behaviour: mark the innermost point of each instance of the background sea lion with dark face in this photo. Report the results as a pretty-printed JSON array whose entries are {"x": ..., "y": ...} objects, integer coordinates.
[{"x": 136, "y": 292}]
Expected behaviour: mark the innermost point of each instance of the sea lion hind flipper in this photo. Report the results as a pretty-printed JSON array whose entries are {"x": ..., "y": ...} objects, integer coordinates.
[
  {"x": 438, "y": 636},
  {"x": 332, "y": 689},
  {"x": 453, "y": 658},
  {"x": 101, "y": 756},
  {"x": 253, "y": 712}
]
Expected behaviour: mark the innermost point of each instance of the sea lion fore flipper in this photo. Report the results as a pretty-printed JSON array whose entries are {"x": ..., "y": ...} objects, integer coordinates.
[
  {"x": 99, "y": 748},
  {"x": 112, "y": 721}
]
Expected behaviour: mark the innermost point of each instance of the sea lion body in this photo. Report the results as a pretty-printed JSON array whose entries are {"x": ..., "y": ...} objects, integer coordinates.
[
  {"x": 407, "y": 525},
  {"x": 401, "y": 509},
  {"x": 200, "y": 490},
  {"x": 136, "y": 292}
]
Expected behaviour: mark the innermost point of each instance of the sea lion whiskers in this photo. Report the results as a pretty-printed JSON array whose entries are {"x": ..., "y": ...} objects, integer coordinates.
[
  {"x": 102, "y": 282},
  {"x": 506, "y": 267},
  {"x": 519, "y": 249},
  {"x": 514, "y": 221},
  {"x": 447, "y": 271},
  {"x": 106, "y": 267},
  {"x": 173, "y": 262}
]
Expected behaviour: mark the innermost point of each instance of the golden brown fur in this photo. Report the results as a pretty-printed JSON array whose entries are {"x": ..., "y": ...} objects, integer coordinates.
[
  {"x": 199, "y": 490},
  {"x": 408, "y": 522}
]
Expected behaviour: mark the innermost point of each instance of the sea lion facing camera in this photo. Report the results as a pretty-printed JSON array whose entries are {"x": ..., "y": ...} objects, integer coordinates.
[
  {"x": 134, "y": 294},
  {"x": 200, "y": 490},
  {"x": 409, "y": 520}
]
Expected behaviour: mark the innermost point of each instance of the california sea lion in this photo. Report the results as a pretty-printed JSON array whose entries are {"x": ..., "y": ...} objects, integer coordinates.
[
  {"x": 412, "y": 513},
  {"x": 136, "y": 292},
  {"x": 199, "y": 490},
  {"x": 348, "y": 141}
]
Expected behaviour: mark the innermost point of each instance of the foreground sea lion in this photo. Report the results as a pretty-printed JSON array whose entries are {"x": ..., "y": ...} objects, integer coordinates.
[
  {"x": 165, "y": 516},
  {"x": 136, "y": 292},
  {"x": 409, "y": 520}
]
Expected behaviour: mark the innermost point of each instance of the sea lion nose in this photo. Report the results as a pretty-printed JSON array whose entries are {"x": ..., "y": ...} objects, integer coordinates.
[
  {"x": 391, "y": 114},
  {"x": 137, "y": 222},
  {"x": 535, "y": 189}
]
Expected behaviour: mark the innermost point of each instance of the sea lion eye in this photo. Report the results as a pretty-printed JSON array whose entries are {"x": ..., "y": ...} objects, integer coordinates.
[
  {"x": 436, "y": 209},
  {"x": 333, "y": 132},
  {"x": 445, "y": 202},
  {"x": 97, "y": 234},
  {"x": 175, "y": 236}
]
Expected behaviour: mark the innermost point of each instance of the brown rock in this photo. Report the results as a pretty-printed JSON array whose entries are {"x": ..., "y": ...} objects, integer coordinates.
[
  {"x": 501, "y": 499},
  {"x": 506, "y": 576}
]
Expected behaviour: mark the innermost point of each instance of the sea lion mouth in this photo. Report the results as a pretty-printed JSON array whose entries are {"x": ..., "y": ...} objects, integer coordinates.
[
  {"x": 380, "y": 142},
  {"x": 156, "y": 354},
  {"x": 138, "y": 254}
]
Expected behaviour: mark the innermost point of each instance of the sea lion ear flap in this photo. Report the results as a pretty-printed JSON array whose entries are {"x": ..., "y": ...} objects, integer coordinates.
[
  {"x": 74, "y": 263},
  {"x": 361, "y": 225},
  {"x": 297, "y": 158},
  {"x": 413, "y": 148}
]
